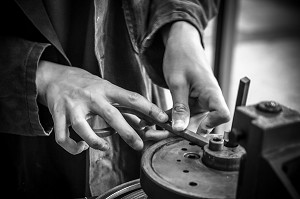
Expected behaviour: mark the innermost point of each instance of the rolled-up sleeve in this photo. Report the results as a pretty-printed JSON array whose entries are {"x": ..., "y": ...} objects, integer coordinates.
[
  {"x": 18, "y": 97},
  {"x": 197, "y": 13}
]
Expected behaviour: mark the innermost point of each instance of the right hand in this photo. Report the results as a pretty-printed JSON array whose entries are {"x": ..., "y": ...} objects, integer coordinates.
[
  {"x": 73, "y": 94},
  {"x": 194, "y": 89}
]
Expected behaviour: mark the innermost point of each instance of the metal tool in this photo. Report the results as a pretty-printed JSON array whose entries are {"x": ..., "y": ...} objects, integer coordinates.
[{"x": 186, "y": 134}]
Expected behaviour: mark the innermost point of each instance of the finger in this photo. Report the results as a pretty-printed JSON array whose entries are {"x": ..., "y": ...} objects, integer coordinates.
[
  {"x": 181, "y": 112},
  {"x": 133, "y": 121},
  {"x": 145, "y": 130},
  {"x": 138, "y": 102},
  {"x": 136, "y": 123},
  {"x": 83, "y": 129},
  {"x": 62, "y": 138},
  {"x": 156, "y": 135},
  {"x": 115, "y": 119},
  {"x": 217, "y": 115}
]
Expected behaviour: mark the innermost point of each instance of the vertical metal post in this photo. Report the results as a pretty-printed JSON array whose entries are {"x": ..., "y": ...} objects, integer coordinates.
[{"x": 224, "y": 43}]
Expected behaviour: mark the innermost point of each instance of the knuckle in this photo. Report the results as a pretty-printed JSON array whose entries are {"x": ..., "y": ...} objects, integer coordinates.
[
  {"x": 134, "y": 97},
  {"x": 109, "y": 114},
  {"x": 152, "y": 110},
  {"x": 95, "y": 145},
  {"x": 60, "y": 141},
  {"x": 130, "y": 139},
  {"x": 86, "y": 93},
  {"x": 225, "y": 115},
  {"x": 76, "y": 120},
  {"x": 58, "y": 106},
  {"x": 176, "y": 83},
  {"x": 94, "y": 97},
  {"x": 155, "y": 112},
  {"x": 79, "y": 93},
  {"x": 180, "y": 108}
]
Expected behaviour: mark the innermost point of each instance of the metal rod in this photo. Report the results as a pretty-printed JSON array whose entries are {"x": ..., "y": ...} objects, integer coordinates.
[
  {"x": 241, "y": 100},
  {"x": 242, "y": 92}
]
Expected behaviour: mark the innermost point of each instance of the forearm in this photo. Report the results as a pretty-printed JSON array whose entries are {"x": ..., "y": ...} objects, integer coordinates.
[{"x": 162, "y": 16}]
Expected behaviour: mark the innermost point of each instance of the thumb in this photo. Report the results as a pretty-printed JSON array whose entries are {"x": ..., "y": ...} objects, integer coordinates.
[{"x": 181, "y": 111}]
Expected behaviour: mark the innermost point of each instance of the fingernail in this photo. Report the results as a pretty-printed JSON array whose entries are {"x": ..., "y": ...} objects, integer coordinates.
[
  {"x": 86, "y": 146},
  {"x": 162, "y": 116},
  {"x": 138, "y": 145},
  {"x": 105, "y": 147},
  {"x": 142, "y": 124},
  {"x": 178, "y": 125}
]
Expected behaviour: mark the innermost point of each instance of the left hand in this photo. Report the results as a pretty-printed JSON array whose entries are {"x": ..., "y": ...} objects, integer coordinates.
[{"x": 189, "y": 76}]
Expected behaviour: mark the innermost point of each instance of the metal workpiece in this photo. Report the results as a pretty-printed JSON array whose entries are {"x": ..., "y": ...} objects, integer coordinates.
[
  {"x": 272, "y": 142},
  {"x": 220, "y": 157},
  {"x": 174, "y": 169}
]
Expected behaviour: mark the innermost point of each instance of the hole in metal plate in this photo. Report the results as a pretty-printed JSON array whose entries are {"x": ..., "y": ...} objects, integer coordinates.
[{"x": 192, "y": 155}]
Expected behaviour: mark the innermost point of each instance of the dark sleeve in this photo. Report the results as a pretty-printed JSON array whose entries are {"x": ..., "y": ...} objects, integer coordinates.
[
  {"x": 19, "y": 112},
  {"x": 158, "y": 14},
  {"x": 196, "y": 12}
]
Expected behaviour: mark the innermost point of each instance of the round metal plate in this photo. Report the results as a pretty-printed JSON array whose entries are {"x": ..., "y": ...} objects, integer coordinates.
[
  {"x": 173, "y": 168},
  {"x": 128, "y": 190}
]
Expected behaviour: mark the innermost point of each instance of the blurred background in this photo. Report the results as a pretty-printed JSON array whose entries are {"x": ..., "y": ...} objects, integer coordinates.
[{"x": 260, "y": 40}]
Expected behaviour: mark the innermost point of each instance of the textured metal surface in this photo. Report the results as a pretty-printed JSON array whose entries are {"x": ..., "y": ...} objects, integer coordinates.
[{"x": 173, "y": 168}]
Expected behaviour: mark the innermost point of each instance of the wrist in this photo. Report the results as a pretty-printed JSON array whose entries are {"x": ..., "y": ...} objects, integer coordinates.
[
  {"x": 42, "y": 77},
  {"x": 180, "y": 30},
  {"x": 184, "y": 52}
]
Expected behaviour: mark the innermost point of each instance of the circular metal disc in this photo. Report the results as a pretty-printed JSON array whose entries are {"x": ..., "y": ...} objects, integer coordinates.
[
  {"x": 128, "y": 190},
  {"x": 173, "y": 168}
]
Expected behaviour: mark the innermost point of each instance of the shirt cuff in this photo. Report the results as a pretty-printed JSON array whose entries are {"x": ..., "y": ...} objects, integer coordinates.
[{"x": 39, "y": 117}]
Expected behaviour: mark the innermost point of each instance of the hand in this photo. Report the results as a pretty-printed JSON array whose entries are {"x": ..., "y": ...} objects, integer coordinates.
[
  {"x": 73, "y": 95},
  {"x": 192, "y": 84}
]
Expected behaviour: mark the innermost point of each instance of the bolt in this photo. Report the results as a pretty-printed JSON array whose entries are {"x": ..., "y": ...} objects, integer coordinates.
[
  {"x": 269, "y": 107},
  {"x": 216, "y": 144}
]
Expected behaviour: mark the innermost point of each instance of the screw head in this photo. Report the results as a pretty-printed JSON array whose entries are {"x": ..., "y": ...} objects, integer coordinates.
[{"x": 269, "y": 107}]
